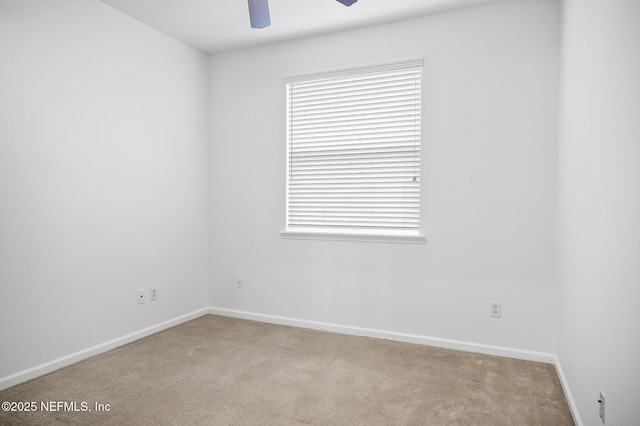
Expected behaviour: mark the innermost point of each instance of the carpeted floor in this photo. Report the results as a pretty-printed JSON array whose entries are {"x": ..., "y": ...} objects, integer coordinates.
[{"x": 223, "y": 371}]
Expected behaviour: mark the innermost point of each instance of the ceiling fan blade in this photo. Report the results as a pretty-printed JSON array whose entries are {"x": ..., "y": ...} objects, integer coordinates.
[
  {"x": 259, "y": 13},
  {"x": 347, "y": 2}
]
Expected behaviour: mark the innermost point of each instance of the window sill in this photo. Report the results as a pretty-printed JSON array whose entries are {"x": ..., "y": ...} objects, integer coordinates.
[{"x": 369, "y": 238}]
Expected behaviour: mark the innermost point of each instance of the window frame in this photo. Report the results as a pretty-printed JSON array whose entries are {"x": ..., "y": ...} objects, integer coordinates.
[{"x": 351, "y": 234}]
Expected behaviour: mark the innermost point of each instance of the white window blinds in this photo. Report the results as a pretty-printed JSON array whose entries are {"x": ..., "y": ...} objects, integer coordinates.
[{"x": 353, "y": 151}]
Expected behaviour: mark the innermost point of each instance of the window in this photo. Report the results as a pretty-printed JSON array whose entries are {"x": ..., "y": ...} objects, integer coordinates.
[{"x": 353, "y": 153}]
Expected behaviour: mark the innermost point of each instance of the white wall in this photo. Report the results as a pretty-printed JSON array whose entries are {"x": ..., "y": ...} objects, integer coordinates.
[
  {"x": 489, "y": 183},
  {"x": 103, "y": 178},
  {"x": 599, "y": 268}
]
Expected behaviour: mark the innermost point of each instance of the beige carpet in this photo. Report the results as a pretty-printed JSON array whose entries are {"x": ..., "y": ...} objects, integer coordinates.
[{"x": 224, "y": 371}]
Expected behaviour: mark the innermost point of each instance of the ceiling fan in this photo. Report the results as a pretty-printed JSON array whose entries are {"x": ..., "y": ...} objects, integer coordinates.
[{"x": 259, "y": 12}]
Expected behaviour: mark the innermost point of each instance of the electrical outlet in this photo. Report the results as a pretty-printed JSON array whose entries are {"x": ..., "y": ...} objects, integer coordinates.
[
  {"x": 495, "y": 309},
  {"x": 153, "y": 293},
  {"x": 239, "y": 283},
  {"x": 142, "y": 296},
  {"x": 601, "y": 402}
]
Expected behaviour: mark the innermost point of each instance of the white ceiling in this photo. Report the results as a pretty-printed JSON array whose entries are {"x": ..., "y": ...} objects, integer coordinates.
[{"x": 214, "y": 26}]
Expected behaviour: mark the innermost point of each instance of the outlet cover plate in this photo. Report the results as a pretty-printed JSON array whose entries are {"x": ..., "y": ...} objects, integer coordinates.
[{"x": 495, "y": 309}]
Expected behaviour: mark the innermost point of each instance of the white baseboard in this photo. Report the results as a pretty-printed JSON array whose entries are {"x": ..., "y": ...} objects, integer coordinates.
[
  {"x": 547, "y": 358},
  {"x": 567, "y": 393},
  {"x": 47, "y": 367}
]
